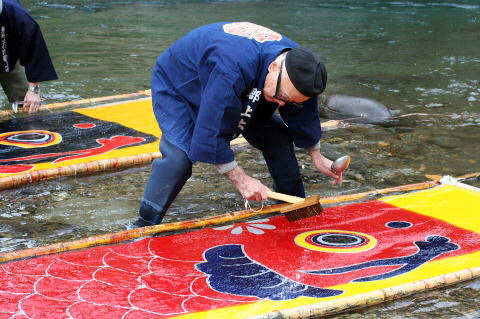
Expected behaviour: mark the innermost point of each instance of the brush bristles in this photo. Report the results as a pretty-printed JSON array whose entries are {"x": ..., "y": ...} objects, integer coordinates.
[
  {"x": 302, "y": 213},
  {"x": 308, "y": 208}
]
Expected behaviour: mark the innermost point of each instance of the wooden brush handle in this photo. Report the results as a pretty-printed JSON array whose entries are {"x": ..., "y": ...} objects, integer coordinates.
[{"x": 285, "y": 197}]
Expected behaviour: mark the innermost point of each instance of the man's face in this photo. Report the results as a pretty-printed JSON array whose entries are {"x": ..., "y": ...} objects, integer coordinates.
[{"x": 278, "y": 88}]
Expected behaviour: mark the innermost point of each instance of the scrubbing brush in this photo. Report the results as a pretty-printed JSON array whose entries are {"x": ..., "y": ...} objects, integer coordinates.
[{"x": 301, "y": 207}]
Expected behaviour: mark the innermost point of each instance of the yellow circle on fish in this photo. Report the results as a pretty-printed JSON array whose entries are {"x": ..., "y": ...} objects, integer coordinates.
[
  {"x": 335, "y": 241},
  {"x": 30, "y": 139}
]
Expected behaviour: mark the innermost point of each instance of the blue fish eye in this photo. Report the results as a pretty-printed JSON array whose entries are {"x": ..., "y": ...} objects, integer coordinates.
[{"x": 399, "y": 224}]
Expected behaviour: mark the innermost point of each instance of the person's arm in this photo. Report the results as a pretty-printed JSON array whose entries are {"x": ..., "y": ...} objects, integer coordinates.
[
  {"x": 217, "y": 121},
  {"x": 250, "y": 188},
  {"x": 32, "y": 48},
  {"x": 34, "y": 56},
  {"x": 324, "y": 165},
  {"x": 304, "y": 126}
]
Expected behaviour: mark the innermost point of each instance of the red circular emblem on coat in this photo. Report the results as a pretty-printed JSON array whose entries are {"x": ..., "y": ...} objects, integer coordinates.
[{"x": 252, "y": 31}]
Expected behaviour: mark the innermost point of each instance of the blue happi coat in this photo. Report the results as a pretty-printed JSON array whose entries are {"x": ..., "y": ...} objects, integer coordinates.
[
  {"x": 208, "y": 86},
  {"x": 22, "y": 41}
]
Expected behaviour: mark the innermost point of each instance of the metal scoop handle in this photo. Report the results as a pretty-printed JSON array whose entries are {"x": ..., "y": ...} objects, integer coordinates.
[{"x": 15, "y": 106}]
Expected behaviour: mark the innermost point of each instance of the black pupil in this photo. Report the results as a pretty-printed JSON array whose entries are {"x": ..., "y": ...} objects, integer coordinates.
[
  {"x": 339, "y": 239},
  {"x": 29, "y": 137}
]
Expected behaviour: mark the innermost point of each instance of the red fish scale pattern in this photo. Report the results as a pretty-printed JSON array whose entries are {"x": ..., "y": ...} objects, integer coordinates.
[
  {"x": 157, "y": 277},
  {"x": 125, "y": 281}
]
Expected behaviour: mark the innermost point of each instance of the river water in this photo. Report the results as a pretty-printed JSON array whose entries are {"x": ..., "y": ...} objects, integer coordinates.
[{"x": 419, "y": 58}]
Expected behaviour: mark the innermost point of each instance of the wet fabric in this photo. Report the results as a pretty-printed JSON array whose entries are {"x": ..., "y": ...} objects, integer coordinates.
[
  {"x": 365, "y": 250},
  {"x": 62, "y": 141}
]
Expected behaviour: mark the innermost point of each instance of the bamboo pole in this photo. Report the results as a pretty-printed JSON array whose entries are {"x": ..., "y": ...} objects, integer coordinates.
[
  {"x": 202, "y": 222},
  {"x": 409, "y": 187},
  {"x": 21, "y": 179},
  {"x": 141, "y": 93},
  {"x": 130, "y": 234},
  {"x": 241, "y": 141},
  {"x": 327, "y": 308},
  {"x": 18, "y": 180}
]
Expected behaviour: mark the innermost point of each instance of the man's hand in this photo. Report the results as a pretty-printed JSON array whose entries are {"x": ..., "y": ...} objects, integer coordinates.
[
  {"x": 31, "y": 101},
  {"x": 324, "y": 165},
  {"x": 250, "y": 188}
]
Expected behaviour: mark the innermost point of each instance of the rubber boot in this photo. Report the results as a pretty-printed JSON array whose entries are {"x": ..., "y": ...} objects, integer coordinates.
[{"x": 168, "y": 176}]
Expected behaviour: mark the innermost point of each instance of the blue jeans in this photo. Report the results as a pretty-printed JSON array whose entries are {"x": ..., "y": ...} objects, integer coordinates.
[{"x": 171, "y": 172}]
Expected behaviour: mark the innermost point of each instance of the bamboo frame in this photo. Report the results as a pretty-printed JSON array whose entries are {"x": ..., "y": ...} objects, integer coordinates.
[
  {"x": 49, "y": 107},
  {"x": 13, "y": 181},
  {"x": 131, "y": 234},
  {"x": 324, "y": 308},
  {"x": 21, "y": 179},
  {"x": 331, "y": 307},
  {"x": 18, "y": 180},
  {"x": 202, "y": 222}
]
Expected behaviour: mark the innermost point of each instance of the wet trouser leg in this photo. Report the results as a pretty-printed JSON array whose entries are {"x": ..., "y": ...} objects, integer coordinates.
[
  {"x": 14, "y": 83},
  {"x": 167, "y": 178},
  {"x": 277, "y": 147}
]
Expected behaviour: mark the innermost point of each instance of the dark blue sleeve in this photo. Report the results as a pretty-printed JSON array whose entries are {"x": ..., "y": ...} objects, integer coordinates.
[
  {"x": 218, "y": 118},
  {"x": 33, "y": 51},
  {"x": 303, "y": 123}
]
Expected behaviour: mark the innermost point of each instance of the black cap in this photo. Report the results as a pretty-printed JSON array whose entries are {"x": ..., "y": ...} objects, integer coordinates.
[{"x": 306, "y": 71}]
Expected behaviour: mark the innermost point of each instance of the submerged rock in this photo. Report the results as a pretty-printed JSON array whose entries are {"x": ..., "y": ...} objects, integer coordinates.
[{"x": 355, "y": 109}]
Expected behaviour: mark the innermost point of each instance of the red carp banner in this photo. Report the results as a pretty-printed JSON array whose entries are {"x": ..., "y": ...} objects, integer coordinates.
[
  {"x": 77, "y": 141},
  {"x": 255, "y": 267}
]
